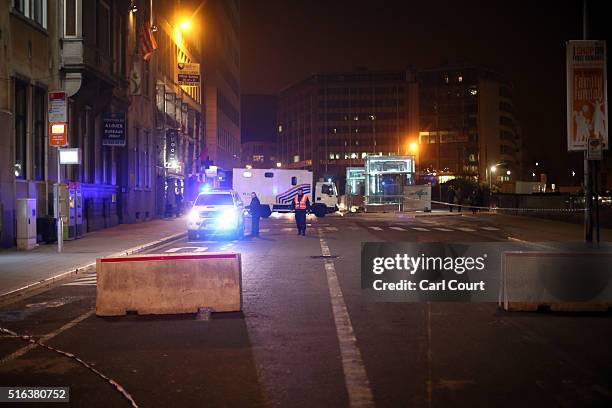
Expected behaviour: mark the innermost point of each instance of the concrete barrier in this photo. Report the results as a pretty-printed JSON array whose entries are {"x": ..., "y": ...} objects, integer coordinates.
[
  {"x": 169, "y": 283},
  {"x": 556, "y": 280}
]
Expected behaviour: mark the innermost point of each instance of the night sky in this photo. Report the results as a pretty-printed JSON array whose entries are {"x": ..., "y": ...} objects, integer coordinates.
[{"x": 284, "y": 41}]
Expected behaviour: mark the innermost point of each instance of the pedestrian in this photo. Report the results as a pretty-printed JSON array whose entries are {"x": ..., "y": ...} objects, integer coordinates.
[
  {"x": 301, "y": 205},
  {"x": 178, "y": 201},
  {"x": 474, "y": 200},
  {"x": 459, "y": 198},
  {"x": 450, "y": 198},
  {"x": 255, "y": 209}
]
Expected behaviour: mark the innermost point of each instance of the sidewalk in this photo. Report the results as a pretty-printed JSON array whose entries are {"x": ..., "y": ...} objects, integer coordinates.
[{"x": 21, "y": 268}]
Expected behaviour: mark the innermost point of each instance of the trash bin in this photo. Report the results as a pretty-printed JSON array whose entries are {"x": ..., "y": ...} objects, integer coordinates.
[{"x": 47, "y": 229}]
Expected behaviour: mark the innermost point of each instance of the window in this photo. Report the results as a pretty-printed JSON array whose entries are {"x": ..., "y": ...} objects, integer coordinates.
[
  {"x": 296, "y": 158},
  {"x": 20, "y": 129},
  {"x": 327, "y": 189},
  {"x": 147, "y": 159},
  {"x": 70, "y": 18},
  {"x": 103, "y": 28},
  {"x": 35, "y": 10},
  {"x": 258, "y": 158},
  {"x": 137, "y": 169},
  {"x": 268, "y": 175},
  {"x": 40, "y": 129},
  {"x": 214, "y": 199},
  {"x": 294, "y": 181}
]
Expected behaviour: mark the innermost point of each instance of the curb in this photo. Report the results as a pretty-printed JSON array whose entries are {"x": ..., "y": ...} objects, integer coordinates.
[{"x": 52, "y": 281}]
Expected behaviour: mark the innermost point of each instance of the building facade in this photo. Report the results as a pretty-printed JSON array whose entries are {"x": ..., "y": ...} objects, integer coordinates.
[
  {"x": 457, "y": 121},
  {"x": 260, "y": 155},
  {"x": 467, "y": 125},
  {"x": 118, "y": 64},
  {"x": 29, "y": 69},
  {"x": 258, "y": 128},
  {"x": 331, "y": 121},
  {"x": 221, "y": 82}
]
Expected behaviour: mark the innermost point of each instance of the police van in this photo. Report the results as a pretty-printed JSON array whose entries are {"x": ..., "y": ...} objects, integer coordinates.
[{"x": 276, "y": 189}]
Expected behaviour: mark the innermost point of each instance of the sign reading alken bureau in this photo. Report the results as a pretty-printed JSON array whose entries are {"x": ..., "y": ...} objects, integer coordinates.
[{"x": 113, "y": 129}]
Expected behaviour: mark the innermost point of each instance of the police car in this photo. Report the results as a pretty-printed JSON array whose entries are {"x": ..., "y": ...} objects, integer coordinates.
[{"x": 216, "y": 212}]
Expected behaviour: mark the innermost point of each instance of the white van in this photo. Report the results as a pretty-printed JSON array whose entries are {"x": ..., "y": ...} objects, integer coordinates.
[{"x": 276, "y": 189}]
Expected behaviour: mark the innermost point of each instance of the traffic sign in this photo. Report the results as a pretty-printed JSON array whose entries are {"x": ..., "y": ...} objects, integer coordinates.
[
  {"x": 58, "y": 107},
  {"x": 58, "y": 134}
]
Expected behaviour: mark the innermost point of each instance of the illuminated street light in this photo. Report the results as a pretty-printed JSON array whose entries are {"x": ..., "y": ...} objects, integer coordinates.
[
  {"x": 413, "y": 146},
  {"x": 493, "y": 169},
  {"x": 279, "y": 164},
  {"x": 185, "y": 25},
  {"x": 508, "y": 172}
]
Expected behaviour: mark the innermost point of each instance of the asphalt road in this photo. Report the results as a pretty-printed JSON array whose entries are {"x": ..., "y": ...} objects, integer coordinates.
[{"x": 293, "y": 347}]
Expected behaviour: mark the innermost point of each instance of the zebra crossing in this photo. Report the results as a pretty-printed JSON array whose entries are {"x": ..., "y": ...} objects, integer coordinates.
[
  {"x": 89, "y": 279},
  {"x": 430, "y": 228}
]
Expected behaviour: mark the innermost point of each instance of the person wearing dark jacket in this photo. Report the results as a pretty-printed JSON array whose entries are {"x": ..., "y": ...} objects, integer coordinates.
[
  {"x": 450, "y": 198},
  {"x": 255, "y": 207},
  {"x": 300, "y": 205}
]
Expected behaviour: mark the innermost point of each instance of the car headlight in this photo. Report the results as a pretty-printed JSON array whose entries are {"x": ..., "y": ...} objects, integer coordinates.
[
  {"x": 194, "y": 216},
  {"x": 228, "y": 219}
]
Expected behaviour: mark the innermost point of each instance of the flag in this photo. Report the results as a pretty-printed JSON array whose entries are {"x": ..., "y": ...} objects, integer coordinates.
[{"x": 147, "y": 42}]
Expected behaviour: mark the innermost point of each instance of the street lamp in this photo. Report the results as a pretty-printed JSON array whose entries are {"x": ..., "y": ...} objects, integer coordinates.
[{"x": 185, "y": 25}]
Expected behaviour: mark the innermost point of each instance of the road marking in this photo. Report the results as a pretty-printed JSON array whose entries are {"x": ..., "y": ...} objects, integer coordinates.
[
  {"x": 264, "y": 230},
  {"x": 331, "y": 228},
  {"x": 398, "y": 228},
  {"x": 353, "y": 228},
  {"x": 288, "y": 229},
  {"x": 200, "y": 249},
  {"x": 47, "y": 337},
  {"x": 355, "y": 377},
  {"x": 420, "y": 229},
  {"x": 466, "y": 229},
  {"x": 490, "y": 228},
  {"x": 377, "y": 228},
  {"x": 442, "y": 229},
  {"x": 84, "y": 281}
]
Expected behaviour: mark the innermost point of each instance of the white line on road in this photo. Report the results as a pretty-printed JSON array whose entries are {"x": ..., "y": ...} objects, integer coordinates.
[
  {"x": 200, "y": 249},
  {"x": 490, "y": 228},
  {"x": 46, "y": 337},
  {"x": 442, "y": 229},
  {"x": 397, "y": 228},
  {"x": 466, "y": 229},
  {"x": 420, "y": 229},
  {"x": 331, "y": 229},
  {"x": 377, "y": 228},
  {"x": 355, "y": 377}
]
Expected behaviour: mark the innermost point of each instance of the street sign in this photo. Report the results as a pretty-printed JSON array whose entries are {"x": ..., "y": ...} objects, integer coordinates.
[
  {"x": 113, "y": 129},
  {"x": 70, "y": 156},
  {"x": 58, "y": 134},
  {"x": 57, "y": 107},
  {"x": 587, "y": 98},
  {"x": 188, "y": 74},
  {"x": 171, "y": 147}
]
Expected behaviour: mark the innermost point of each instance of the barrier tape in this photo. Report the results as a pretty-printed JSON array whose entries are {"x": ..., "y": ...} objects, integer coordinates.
[
  {"x": 468, "y": 206},
  {"x": 112, "y": 382},
  {"x": 506, "y": 208}
]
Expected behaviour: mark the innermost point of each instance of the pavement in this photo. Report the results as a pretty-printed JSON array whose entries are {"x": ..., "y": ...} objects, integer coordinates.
[
  {"x": 19, "y": 269},
  {"x": 307, "y": 338}
]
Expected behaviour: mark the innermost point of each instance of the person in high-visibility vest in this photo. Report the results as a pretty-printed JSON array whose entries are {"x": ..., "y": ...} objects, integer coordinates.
[{"x": 300, "y": 205}]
